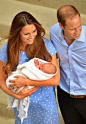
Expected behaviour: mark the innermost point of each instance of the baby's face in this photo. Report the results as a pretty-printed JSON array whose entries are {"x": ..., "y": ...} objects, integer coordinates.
[{"x": 42, "y": 67}]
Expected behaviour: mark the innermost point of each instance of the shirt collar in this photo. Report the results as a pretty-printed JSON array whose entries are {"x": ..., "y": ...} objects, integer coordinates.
[{"x": 60, "y": 34}]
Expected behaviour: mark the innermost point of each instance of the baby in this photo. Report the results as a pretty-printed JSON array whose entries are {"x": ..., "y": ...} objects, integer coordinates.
[
  {"x": 48, "y": 68},
  {"x": 35, "y": 69}
]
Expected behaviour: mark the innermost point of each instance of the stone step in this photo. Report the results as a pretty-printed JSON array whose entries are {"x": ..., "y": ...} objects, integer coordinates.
[
  {"x": 5, "y": 120},
  {"x": 3, "y": 106}
]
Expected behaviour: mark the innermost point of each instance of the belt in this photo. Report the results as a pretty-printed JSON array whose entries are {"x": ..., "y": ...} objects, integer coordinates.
[{"x": 79, "y": 96}]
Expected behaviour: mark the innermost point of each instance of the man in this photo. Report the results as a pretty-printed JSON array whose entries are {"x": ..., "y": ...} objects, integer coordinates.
[{"x": 69, "y": 38}]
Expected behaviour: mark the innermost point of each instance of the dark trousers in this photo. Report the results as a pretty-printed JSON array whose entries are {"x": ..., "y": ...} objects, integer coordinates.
[{"x": 73, "y": 109}]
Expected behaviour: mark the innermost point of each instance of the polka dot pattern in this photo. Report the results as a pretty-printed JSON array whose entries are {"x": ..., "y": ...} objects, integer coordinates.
[{"x": 43, "y": 107}]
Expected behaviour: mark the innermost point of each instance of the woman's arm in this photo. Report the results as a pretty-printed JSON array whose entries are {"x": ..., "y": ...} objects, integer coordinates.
[
  {"x": 3, "y": 78},
  {"x": 20, "y": 81},
  {"x": 3, "y": 86}
]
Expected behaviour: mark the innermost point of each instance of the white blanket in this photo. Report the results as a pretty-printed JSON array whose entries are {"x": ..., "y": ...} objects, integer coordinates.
[{"x": 27, "y": 70}]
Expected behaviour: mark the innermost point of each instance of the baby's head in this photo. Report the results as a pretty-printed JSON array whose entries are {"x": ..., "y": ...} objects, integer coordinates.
[{"x": 48, "y": 68}]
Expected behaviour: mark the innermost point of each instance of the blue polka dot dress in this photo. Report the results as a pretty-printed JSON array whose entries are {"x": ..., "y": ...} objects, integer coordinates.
[{"x": 43, "y": 108}]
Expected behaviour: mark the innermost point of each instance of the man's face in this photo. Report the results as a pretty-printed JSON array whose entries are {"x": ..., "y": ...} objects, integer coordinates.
[{"x": 73, "y": 28}]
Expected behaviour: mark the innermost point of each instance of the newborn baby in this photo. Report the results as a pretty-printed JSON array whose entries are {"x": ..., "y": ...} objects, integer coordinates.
[{"x": 48, "y": 68}]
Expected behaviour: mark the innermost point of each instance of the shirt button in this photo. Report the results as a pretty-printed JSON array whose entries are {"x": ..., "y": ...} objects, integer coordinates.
[
  {"x": 71, "y": 80},
  {"x": 72, "y": 90},
  {"x": 71, "y": 70}
]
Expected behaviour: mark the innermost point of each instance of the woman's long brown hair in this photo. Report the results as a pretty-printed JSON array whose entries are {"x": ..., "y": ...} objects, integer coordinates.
[{"x": 37, "y": 49}]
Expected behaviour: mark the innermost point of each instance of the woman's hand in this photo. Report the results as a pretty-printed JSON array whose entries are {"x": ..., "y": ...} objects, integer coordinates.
[
  {"x": 18, "y": 82},
  {"x": 24, "y": 92}
]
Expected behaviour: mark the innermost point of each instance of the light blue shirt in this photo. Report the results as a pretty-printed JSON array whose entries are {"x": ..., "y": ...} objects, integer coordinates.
[{"x": 72, "y": 61}]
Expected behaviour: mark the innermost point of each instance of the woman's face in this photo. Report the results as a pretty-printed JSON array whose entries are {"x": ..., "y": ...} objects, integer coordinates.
[{"x": 28, "y": 34}]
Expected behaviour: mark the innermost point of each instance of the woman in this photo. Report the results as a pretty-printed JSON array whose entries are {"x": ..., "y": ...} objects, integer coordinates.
[{"x": 25, "y": 42}]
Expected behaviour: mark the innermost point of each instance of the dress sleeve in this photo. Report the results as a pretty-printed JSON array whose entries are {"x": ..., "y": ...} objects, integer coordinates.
[
  {"x": 3, "y": 53},
  {"x": 50, "y": 47}
]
